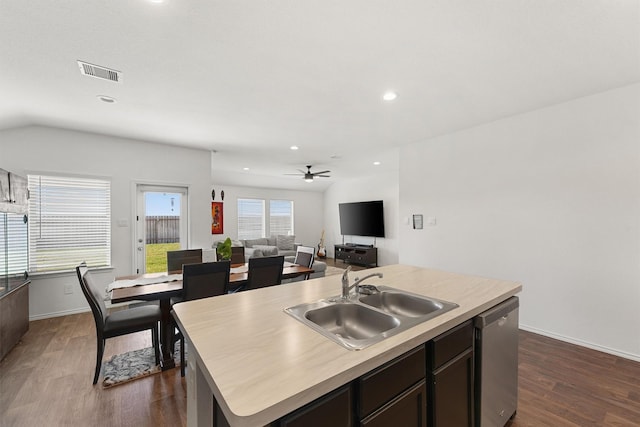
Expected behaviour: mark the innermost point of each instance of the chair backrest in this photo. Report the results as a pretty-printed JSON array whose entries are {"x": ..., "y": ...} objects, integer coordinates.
[
  {"x": 237, "y": 255},
  {"x": 205, "y": 280},
  {"x": 304, "y": 256},
  {"x": 94, "y": 296},
  {"x": 264, "y": 271},
  {"x": 176, "y": 259}
]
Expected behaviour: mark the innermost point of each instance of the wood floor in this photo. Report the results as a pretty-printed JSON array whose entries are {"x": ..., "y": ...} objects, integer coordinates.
[{"x": 46, "y": 381}]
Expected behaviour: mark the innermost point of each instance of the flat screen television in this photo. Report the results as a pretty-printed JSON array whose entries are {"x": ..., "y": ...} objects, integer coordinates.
[{"x": 362, "y": 219}]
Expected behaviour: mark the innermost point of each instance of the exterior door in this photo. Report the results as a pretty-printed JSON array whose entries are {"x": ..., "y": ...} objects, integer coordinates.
[{"x": 161, "y": 225}]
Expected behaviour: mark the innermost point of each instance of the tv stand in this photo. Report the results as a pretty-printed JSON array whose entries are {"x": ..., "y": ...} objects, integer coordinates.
[{"x": 355, "y": 254}]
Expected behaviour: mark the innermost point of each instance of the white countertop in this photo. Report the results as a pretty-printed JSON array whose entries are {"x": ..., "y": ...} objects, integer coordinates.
[{"x": 262, "y": 363}]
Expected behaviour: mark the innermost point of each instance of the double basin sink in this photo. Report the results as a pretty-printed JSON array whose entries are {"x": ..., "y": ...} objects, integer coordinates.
[{"x": 363, "y": 320}]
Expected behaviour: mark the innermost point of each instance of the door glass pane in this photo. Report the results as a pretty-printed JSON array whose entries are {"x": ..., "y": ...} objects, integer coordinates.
[{"x": 162, "y": 228}]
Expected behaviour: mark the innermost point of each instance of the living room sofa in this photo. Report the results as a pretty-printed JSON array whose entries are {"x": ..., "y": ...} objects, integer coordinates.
[
  {"x": 266, "y": 246},
  {"x": 270, "y": 246}
]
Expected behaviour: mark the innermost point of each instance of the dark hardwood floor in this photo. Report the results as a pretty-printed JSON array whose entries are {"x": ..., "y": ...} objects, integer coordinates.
[{"x": 46, "y": 381}]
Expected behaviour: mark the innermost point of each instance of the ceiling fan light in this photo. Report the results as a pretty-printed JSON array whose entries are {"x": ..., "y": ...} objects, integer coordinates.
[{"x": 309, "y": 179}]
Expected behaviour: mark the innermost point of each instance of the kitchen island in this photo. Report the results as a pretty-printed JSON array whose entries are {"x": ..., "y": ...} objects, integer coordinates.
[{"x": 258, "y": 364}]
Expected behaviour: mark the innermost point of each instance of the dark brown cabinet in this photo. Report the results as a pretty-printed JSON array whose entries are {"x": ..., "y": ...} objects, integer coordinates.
[
  {"x": 362, "y": 255},
  {"x": 381, "y": 386},
  {"x": 450, "y": 385},
  {"x": 408, "y": 410},
  {"x": 333, "y": 409},
  {"x": 14, "y": 315}
]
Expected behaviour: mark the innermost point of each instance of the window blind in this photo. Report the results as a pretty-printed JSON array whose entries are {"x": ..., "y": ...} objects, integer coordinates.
[
  {"x": 281, "y": 217},
  {"x": 70, "y": 222},
  {"x": 251, "y": 222}
]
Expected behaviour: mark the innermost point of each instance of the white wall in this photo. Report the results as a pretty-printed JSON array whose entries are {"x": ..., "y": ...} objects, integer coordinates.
[
  {"x": 307, "y": 210},
  {"x": 383, "y": 187},
  {"x": 124, "y": 162},
  {"x": 549, "y": 198}
]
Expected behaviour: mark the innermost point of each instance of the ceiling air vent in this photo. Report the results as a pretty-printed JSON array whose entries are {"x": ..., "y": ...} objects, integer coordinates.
[{"x": 100, "y": 72}]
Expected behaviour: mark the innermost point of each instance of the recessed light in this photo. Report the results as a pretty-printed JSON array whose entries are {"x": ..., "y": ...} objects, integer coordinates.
[
  {"x": 389, "y": 96},
  {"x": 107, "y": 99},
  {"x": 245, "y": 169},
  {"x": 376, "y": 163},
  {"x": 294, "y": 147}
]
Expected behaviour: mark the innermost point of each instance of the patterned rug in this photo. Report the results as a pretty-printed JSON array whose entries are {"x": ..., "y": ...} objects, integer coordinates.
[{"x": 133, "y": 365}]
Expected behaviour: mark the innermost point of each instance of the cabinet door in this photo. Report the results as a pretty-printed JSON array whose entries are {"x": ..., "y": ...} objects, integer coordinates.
[
  {"x": 333, "y": 410},
  {"x": 407, "y": 410},
  {"x": 452, "y": 393},
  {"x": 19, "y": 189}
]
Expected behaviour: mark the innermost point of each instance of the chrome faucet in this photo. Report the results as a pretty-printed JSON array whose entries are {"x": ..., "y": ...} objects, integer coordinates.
[
  {"x": 345, "y": 283},
  {"x": 346, "y": 287}
]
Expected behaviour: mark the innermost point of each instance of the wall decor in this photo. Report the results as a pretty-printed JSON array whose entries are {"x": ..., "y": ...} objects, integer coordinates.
[
  {"x": 217, "y": 218},
  {"x": 213, "y": 194},
  {"x": 222, "y": 194}
]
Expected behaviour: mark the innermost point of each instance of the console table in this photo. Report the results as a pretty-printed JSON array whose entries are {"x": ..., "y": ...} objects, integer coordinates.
[{"x": 362, "y": 255}]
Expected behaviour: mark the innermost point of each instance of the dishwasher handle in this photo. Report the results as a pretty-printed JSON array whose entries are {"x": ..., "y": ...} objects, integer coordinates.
[{"x": 496, "y": 313}]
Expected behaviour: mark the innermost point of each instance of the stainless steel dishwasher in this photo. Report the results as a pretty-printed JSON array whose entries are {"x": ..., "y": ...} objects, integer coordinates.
[{"x": 496, "y": 375}]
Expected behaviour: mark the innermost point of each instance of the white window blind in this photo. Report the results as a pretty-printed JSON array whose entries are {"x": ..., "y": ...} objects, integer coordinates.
[
  {"x": 69, "y": 222},
  {"x": 281, "y": 217},
  {"x": 251, "y": 223},
  {"x": 14, "y": 259}
]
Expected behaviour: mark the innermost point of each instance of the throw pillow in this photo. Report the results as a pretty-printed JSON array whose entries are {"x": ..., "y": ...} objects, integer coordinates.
[{"x": 285, "y": 243}]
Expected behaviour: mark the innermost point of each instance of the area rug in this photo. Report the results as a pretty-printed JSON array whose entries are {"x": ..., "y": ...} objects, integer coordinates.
[{"x": 133, "y": 365}]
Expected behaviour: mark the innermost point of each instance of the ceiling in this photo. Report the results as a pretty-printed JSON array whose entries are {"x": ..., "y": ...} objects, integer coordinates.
[{"x": 249, "y": 78}]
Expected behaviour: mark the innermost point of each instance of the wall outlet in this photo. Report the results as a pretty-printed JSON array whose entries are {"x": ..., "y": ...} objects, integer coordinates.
[{"x": 68, "y": 289}]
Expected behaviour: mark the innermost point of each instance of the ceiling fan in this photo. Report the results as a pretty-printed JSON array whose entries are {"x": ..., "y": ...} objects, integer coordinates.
[{"x": 308, "y": 175}]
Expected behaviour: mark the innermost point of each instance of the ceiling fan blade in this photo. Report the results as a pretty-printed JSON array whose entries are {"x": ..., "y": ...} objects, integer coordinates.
[
  {"x": 320, "y": 173},
  {"x": 322, "y": 176},
  {"x": 295, "y": 174}
]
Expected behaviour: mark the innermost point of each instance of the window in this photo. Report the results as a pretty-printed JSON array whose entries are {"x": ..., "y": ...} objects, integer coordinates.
[
  {"x": 252, "y": 219},
  {"x": 251, "y": 224},
  {"x": 281, "y": 217},
  {"x": 69, "y": 222}
]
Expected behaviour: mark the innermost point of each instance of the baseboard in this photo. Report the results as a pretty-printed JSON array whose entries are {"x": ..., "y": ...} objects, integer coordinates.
[
  {"x": 581, "y": 343},
  {"x": 59, "y": 313}
]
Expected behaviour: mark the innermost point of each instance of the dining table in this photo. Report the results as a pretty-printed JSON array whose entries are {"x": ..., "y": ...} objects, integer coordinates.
[{"x": 163, "y": 290}]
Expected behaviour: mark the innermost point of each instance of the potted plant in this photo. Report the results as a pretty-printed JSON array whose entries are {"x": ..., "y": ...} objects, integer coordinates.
[{"x": 223, "y": 249}]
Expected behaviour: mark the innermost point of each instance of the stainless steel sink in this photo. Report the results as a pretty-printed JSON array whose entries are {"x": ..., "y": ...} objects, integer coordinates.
[
  {"x": 402, "y": 303},
  {"x": 357, "y": 323},
  {"x": 351, "y": 321}
]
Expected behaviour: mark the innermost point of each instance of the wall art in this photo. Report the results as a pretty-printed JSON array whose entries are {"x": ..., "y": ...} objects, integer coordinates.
[{"x": 217, "y": 218}]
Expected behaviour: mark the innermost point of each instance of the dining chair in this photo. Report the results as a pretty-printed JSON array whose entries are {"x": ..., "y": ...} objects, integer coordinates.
[
  {"x": 237, "y": 255},
  {"x": 119, "y": 322},
  {"x": 176, "y": 259},
  {"x": 202, "y": 280},
  {"x": 264, "y": 271},
  {"x": 305, "y": 257}
]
